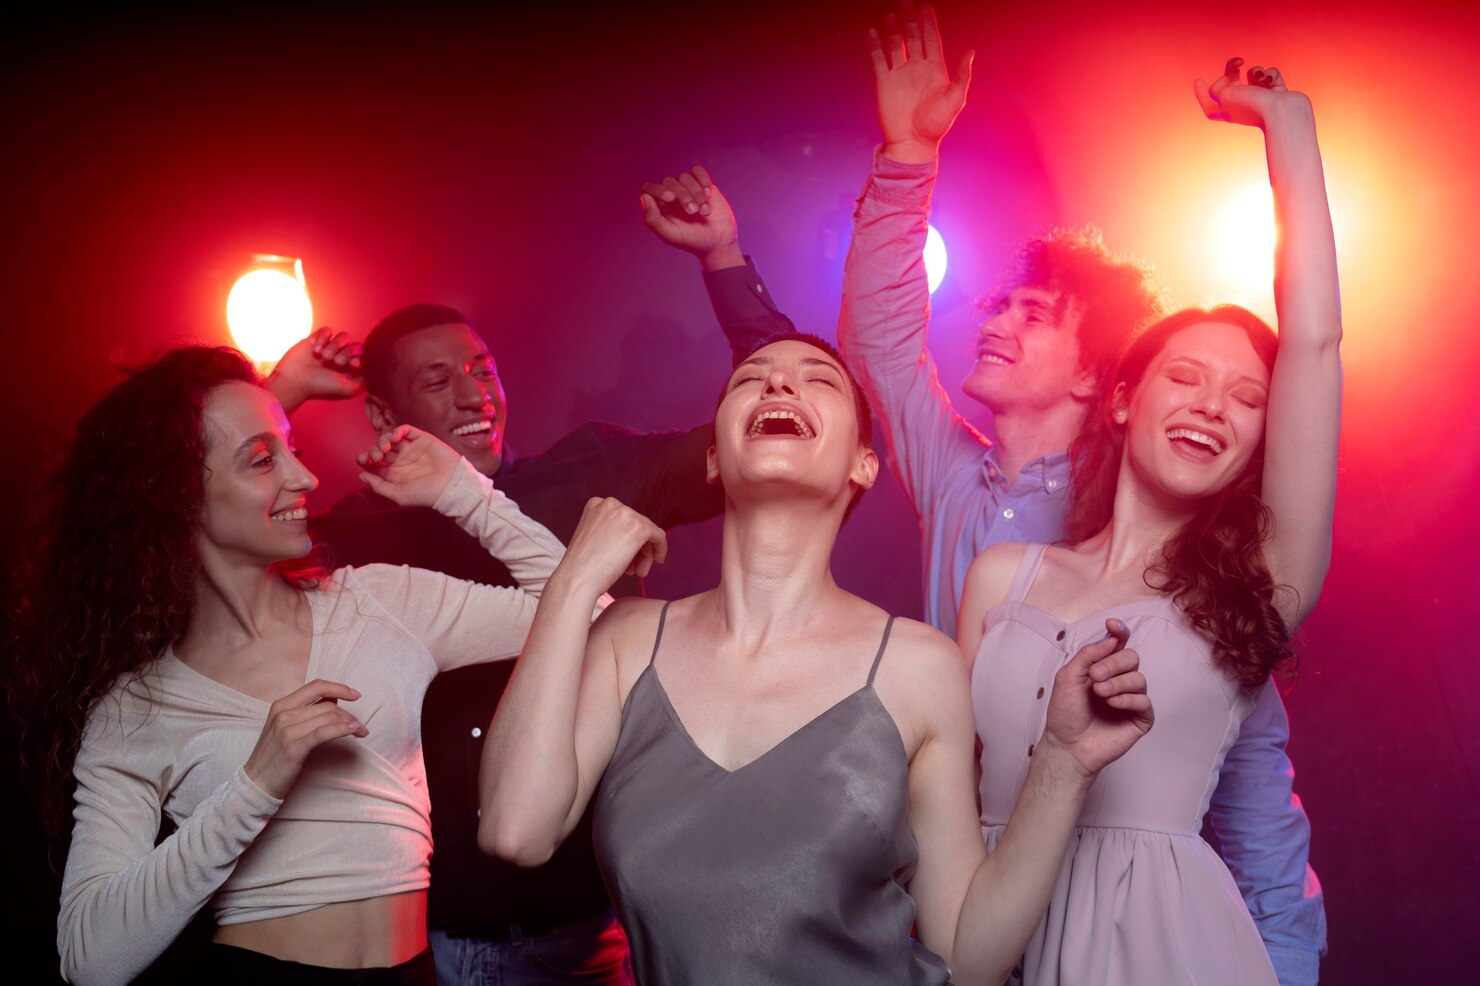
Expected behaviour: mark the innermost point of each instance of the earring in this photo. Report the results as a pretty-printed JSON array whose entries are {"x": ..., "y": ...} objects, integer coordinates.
[{"x": 1120, "y": 415}]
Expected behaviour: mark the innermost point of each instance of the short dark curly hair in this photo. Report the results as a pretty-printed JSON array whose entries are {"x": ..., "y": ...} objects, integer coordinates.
[
  {"x": 1115, "y": 295},
  {"x": 376, "y": 359}
]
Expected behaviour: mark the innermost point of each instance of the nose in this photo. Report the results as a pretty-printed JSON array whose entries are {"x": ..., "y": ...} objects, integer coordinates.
[
  {"x": 996, "y": 326},
  {"x": 1209, "y": 403},
  {"x": 779, "y": 382},
  {"x": 300, "y": 478},
  {"x": 470, "y": 392}
]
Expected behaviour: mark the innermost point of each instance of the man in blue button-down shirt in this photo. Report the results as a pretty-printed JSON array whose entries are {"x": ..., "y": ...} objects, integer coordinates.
[{"x": 1048, "y": 341}]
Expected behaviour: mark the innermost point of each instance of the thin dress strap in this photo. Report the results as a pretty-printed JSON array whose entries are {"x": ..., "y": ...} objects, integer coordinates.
[
  {"x": 1027, "y": 571},
  {"x": 662, "y": 618},
  {"x": 880, "y": 656}
]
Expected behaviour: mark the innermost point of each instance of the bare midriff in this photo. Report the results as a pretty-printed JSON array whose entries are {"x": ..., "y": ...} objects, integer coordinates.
[{"x": 352, "y": 934}]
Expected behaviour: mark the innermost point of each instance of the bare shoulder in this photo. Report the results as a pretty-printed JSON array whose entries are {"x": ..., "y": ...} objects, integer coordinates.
[
  {"x": 991, "y": 571},
  {"x": 626, "y": 620},
  {"x": 922, "y": 658}
]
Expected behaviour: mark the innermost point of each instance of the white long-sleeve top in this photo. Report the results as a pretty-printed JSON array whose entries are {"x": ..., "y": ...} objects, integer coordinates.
[{"x": 356, "y": 823}]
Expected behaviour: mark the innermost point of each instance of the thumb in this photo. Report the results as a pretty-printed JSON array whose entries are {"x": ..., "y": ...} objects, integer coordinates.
[
  {"x": 963, "y": 74},
  {"x": 1115, "y": 639},
  {"x": 378, "y": 485},
  {"x": 1205, "y": 99},
  {"x": 650, "y": 212}
]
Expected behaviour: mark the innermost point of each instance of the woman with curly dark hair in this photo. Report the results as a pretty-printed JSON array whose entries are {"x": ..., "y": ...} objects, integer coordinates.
[
  {"x": 182, "y": 655},
  {"x": 1203, "y": 490}
]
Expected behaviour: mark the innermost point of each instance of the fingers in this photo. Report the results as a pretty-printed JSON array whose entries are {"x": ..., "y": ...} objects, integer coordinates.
[
  {"x": 1231, "y": 69},
  {"x": 1090, "y": 654},
  {"x": 894, "y": 43},
  {"x": 930, "y": 31},
  {"x": 686, "y": 194},
  {"x": 914, "y": 42},
  {"x": 876, "y": 54},
  {"x": 385, "y": 451},
  {"x": 962, "y": 82},
  {"x": 318, "y": 690},
  {"x": 1205, "y": 99}
]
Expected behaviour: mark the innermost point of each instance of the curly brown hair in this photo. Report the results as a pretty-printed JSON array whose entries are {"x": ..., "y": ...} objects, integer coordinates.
[
  {"x": 1115, "y": 295},
  {"x": 1213, "y": 566},
  {"x": 113, "y": 580}
]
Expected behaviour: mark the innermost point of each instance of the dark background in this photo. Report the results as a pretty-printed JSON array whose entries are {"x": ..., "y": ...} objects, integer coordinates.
[{"x": 491, "y": 161}]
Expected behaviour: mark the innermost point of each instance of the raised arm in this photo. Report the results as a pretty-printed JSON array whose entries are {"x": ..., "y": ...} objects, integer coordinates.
[
  {"x": 979, "y": 910},
  {"x": 690, "y": 213},
  {"x": 324, "y": 365},
  {"x": 558, "y": 722},
  {"x": 1304, "y": 417},
  {"x": 886, "y": 304}
]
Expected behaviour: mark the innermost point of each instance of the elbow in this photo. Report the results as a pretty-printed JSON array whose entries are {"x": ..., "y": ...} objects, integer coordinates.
[{"x": 513, "y": 842}]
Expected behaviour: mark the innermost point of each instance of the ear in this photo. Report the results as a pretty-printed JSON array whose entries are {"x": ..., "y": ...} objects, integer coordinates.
[
  {"x": 711, "y": 466},
  {"x": 1086, "y": 386},
  {"x": 1120, "y": 403},
  {"x": 382, "y": 418},
  {"x": 866, "y": 471}
]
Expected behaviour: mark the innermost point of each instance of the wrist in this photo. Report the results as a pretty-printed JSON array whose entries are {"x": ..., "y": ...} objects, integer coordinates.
[
  {"x": 1058, "y": 771},
  {"x": 288, "y": 394},
  {"x": 723, "y": 257},
  {"x": 570, "y": 586},
  {"x": 911, "y": 151}
]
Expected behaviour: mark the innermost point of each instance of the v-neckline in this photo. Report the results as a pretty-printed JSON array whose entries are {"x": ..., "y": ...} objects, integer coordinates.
[
  {"x": 308, "y": 668},
  {"x": 672, "y": 711}
]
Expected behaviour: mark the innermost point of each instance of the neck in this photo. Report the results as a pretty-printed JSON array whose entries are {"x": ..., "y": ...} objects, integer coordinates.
[
  {"x": 1141, "y": 523},
  {"x": 240, "y": 602},
  {"x": 1024, "y": 434},
  {"x": 775, "y": 567}
]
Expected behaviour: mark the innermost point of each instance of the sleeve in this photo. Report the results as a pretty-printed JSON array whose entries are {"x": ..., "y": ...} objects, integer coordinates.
[
  {"x": 882, "y": 329},
  {"x": 662, "y": 475},
  {"x": 124, "y": 900},
  {"x": 1266, "y": 842},
  {"x": 527, "y": 548},
  {"x": 744, "y": 307},
  {"x": 462, "y": 623}
]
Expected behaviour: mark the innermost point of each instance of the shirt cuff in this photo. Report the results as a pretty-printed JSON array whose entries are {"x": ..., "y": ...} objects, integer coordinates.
[
  {"x": 1294, "y": 966},
  {"x": 467, "y": 490}
]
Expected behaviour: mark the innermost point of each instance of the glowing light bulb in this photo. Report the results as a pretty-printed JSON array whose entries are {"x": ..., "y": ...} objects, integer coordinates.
[
  {"x": 1243, "y": 240},
  {"x": 268, "y": 310},
  {"x": 935, "y": 257}
]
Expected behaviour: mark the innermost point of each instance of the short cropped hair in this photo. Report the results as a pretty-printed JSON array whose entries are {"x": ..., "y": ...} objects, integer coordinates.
[
  {"x": 376, "y": 360},
  {"x": 1115, "y": 295}
]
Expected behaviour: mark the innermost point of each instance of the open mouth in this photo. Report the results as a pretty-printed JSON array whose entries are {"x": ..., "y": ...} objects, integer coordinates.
[
  {"x": 473, "y": 428},
  {"x": 1195, "y": 444},
  {"x": 781, "y": 424},
  {"x": 994, "y": 358},
  {"x": 297, "y": 513}
]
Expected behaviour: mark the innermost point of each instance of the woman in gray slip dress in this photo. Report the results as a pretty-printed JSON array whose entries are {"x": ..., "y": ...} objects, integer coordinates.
[
  {"x": 782, "y": 773},
  {"x": 1203, "y": 498}
]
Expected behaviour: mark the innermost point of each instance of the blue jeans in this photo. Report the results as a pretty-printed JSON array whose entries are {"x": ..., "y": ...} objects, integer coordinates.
[{"x": 593, "y": 951}]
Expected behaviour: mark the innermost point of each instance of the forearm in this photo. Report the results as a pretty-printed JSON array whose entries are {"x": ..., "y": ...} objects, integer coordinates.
[
  {"x": 1011, "y": 888},
  {"x": 746, "y": 312},
  {"x": 526, "y": 548},
  {"x": 117, "y": 914},
  {"x": 530, "y": 774},
  {"x": 1306, "y": 290}
]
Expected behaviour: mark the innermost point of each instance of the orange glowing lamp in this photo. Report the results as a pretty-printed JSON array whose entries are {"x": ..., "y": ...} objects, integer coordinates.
[
  {"x": 268, "y": 309},
  {"x": 1243, "y": 241}
]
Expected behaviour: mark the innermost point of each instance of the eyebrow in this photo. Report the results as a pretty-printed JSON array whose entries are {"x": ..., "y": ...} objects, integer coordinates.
[
  {"x": 804, "y": 361},
  {"x": 264, "y": 437}
]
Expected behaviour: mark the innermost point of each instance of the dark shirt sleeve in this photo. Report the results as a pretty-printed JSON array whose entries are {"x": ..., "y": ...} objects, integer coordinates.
[{"x": 744, "y": 307}]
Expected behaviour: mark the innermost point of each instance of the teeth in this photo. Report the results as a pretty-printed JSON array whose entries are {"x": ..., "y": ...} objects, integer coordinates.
[
  {"x": 796, "y": 419},
  {"x": 474, "y": 428},
  {"x": 993, "y": 358},
  {"x": 1197, "y": 436},
  {"x": 298, "y": 513}
]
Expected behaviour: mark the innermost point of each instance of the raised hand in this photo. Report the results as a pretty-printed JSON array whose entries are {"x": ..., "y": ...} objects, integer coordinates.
[
  {"x": 1251, "y": 103},
  {"x": 611, "y": 540},
  {"x": 325, "y": 365},
  {"x": 408, "y": 466},
  {"x": 1099, "y": 706},
  {"x": 297, "y": 724},
  {"x": 689, "y": 212},
  {"x": 918, "y": 99}
]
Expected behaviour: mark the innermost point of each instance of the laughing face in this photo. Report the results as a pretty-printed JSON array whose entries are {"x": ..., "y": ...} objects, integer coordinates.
[
  {"x": 1197, "y": 416},
  {"x": 1027, "y": 354},
  {"x": 789, "y": 419},
  {"x": 256, "y": 502},
  {"x": 444, "y": 381}
]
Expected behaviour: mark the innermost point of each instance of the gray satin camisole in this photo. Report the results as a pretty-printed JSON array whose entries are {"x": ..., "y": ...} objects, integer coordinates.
[{"x": 790, "y": 869}]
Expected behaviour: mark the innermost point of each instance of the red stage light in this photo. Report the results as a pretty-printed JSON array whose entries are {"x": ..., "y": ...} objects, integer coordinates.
[{"x": 268, "y": 309}]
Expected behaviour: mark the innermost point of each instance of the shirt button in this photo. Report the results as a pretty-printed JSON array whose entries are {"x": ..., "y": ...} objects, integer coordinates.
[
  {"x": 477, "y": 732},
  {"x": 1053, "y": 484},
  {"x": 1030, "y": 749},
  {"x": 1007, "y": 513},
  {"x": 1040, "y": 692},
  {"x": 1059, "y": 635}
]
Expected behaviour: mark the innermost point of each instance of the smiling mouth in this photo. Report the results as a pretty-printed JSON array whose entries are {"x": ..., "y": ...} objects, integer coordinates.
[
  {"x": 996, "y": 359},
  {"x": 785, "y": 424},
  {"x": 473, "y": 428},
  {"x": 1197, "y": 442},
  {"x": 297, "y": 513}
]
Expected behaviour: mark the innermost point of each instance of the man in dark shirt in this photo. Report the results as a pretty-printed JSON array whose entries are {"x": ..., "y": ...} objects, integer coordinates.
[{"x": 426, "y": 366}]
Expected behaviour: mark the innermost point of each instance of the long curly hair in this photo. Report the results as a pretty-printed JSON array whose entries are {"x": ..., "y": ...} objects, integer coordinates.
[
  {"x": 1213, "y": 566},
  {"x": 114, "y": 577}
]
